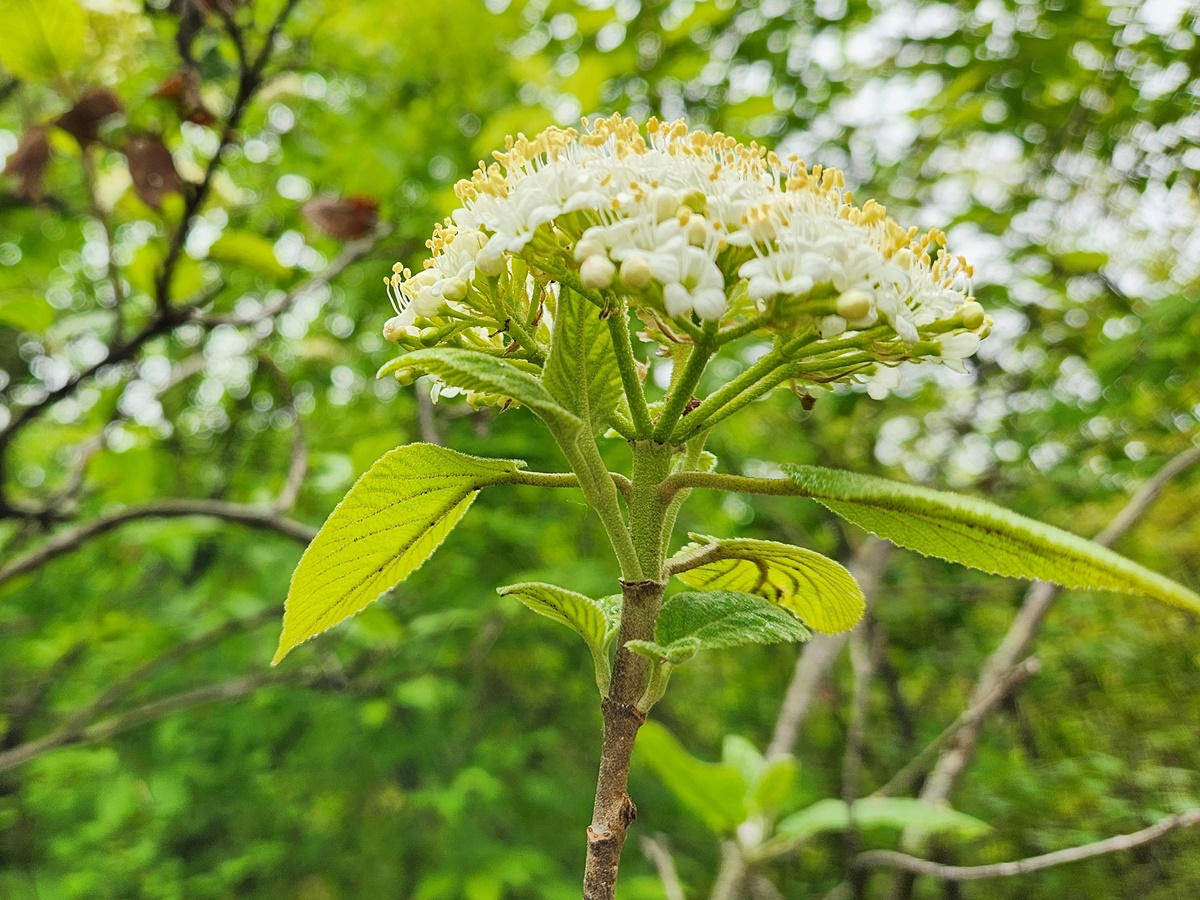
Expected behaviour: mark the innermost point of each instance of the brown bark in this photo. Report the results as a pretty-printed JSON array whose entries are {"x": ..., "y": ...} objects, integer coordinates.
[{"x": 614, "y": 810}]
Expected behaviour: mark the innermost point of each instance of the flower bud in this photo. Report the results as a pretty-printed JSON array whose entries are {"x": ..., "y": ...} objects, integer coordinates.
[
  {"x": 596, "y": 272},
  {"x": 854, "y": 304},
  {"x": 588, "y": 247},
  {"x": 455, "y": 289},
  {"x": 489, "y": 264},
  {"x": 696, "y": 230},
  {"x": 635, "y": 272},
  {"x": 695, "y": 201},
  {"x": 430, "y": 335},
  {"x": 971, "y": 314}
]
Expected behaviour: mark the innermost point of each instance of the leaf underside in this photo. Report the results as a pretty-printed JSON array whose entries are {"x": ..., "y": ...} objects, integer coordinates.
[
  {"x": 577, "y": 611},
  {"x": 389, "y": 523},
  {"x": 820, "y": 591},
  {"x": 981, "y": 535}
]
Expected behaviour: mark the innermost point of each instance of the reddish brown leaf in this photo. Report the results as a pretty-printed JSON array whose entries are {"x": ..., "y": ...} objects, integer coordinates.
[
  {"x": 152, "y": 169},
  {"x": 343, "y": 218},
  {"x": 183, "y": 88},
  {"x": 28, "y": 162},
  {"x": 82, "y": 121}
]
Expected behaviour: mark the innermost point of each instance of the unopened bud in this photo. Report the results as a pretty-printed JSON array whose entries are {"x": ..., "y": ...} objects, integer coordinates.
[
  {"x": 455, "y": 289},
  {"x": 588, "y": 247},
  {"x": 489, "y": 264},
  {"x": 695, "y": 201},
  {"x": 596, "y": 272},
  {"x": 696, "y": 231},
  {"x": 854, "y": 304},
  {"x": 430, "y": 336},
  {"x": 635, "y": 272},
  {"x": 971, "y": 314}
]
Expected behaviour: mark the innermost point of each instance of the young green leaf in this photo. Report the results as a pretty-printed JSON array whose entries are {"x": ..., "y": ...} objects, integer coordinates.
[
  {"x": 582, "y": 614},
  {"x": 871, "y": 812},
  {"x": 581, "y": 371},
  {"x": 713, "y": 791},
  {"x": 475, "y": 371},
  {"x": 817, "y": 589},
  {"x": 41, "y": 39},
  {"x": 980, "y": 535},
  {"x": 718, "y": 619},
  {"x": 389, "y": 523}
]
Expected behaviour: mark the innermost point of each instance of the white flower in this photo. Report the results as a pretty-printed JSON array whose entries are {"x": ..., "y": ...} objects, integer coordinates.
[
  {"x": 690, "y": 278},
  {"x": 957, "y": 346}
]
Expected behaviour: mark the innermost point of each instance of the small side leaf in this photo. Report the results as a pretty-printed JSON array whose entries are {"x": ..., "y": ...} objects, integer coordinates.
[
  {"x": 980, "y": 535},
  {"x": 874, "y": 812},
  {"x": 475, "y": 371},
  {"x": 817, "y": 589},
  {"x": 389, "y": 523},
  {"x": 719, "y": 619},
  {"x": 581, "y": 371},
  {"x": 713, "y": 791},
  {"x": 582, "y": 614}
]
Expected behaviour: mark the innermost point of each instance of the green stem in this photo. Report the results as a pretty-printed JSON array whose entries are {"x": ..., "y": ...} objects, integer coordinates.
[
  {"x": 713, "y": 402},
  {"x": 618, "y": 327},
  {"x": 681, "y": 393}
]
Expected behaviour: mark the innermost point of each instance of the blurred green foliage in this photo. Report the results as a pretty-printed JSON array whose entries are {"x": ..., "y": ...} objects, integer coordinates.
[{"x": 443, "y": 743}]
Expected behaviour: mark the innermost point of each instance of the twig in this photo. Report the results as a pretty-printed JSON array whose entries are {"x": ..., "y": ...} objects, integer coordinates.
[
  {"x": 904, "y": 778},
  {"x": 232, "y": 689},
  {"x": 863, "y": 650},
  {"x": 351, "y": 253},
  {"x": 249, "y": 82},
  {"x": 889, "y": 859},
  {"x": 1023, "y": 631},
  {"x": 71, "y": 538},
  {"x": 656, "y": 850},
  {"x": 821, "y": 651}
]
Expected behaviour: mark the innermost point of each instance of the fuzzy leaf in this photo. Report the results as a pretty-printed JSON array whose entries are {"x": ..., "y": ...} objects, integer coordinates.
[
  {"x": 980, "y": 535},
  {"x": 817, "y": 589},
  {"x": 389, "y": 523},
  {"x": 713, "y": 791},
  {"x": 475, "y": 371},
  {"x": 41, "y": 39},
  {"x": 877, "y": 812},
  {"x": 719, "y": 619},
  {"x": 582, "y": 614},
  {"x": 581, "y": 371}
]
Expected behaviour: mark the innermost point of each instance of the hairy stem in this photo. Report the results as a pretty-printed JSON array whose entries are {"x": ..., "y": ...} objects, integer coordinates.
[{"x": 618, "y": 327}]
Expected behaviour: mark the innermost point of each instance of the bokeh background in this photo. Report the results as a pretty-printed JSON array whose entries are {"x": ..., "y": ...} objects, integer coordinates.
[{"x": 187, "y": 358}]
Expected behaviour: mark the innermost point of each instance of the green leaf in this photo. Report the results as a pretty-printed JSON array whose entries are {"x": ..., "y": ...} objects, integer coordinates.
[
  {"x": 251, "y": 250},
  {"x": 581, "y": 371},
  {"x": 775, "y": 784},
  {"x": 873, "y": 812},
  {"x": 26, "y": 312},
  {"x": 41, "y": 40},
  {"x": 980, "y": 535},
  {"x": 475, "y": 371},
  {"x": 719, "y": 619},
  {"x": 817, "y": 589},
  {"x": 713, "y": 791},
  {"x": 389, "y": 523},
  {"x": 582, "y": 614}
]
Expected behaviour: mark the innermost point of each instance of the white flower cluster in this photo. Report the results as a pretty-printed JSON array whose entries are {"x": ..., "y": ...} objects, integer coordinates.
[{"x": 685, "y": 223}]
